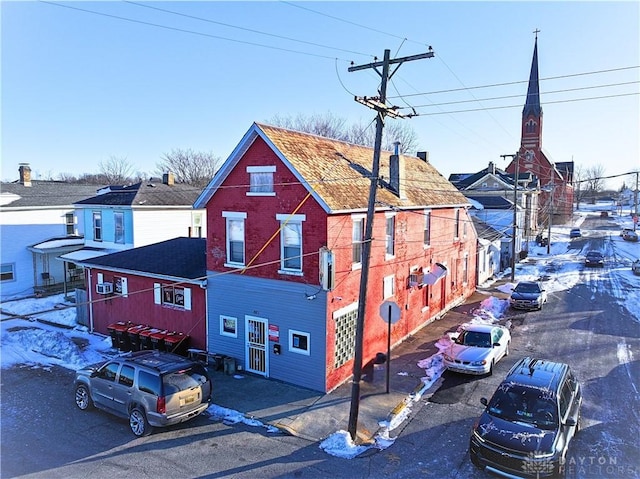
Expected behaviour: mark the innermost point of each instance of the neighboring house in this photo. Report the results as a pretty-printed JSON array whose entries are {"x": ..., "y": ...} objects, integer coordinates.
[
  {"x": 160, "y": 286},
  {"x": 489, "y": 250},
  {"x": 497, "y": 212},
  {"x": 556, "y": 179},
  {"x": 286, "y": 220},
  {"x": 38, "y": 225},
  {"x": 124, "y": 217},
  {"x": 494, "y": 182}
]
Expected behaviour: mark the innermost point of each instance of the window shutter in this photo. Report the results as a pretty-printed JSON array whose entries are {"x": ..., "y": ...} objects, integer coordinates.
[
  {"x": 157, "y": 299},
  {"x": 124, "y": 287},
  {"x": 187, "y": 299}
]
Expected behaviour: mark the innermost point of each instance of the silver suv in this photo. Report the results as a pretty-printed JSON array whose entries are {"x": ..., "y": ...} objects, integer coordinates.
[{"x": 150, "y": 388}]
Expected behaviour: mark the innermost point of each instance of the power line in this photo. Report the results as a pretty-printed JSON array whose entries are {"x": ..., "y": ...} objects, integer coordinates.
[{"x": 182, "y": 30}]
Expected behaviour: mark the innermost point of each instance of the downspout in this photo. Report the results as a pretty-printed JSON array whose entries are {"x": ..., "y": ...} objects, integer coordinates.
[{"x": 90, "y": 287}]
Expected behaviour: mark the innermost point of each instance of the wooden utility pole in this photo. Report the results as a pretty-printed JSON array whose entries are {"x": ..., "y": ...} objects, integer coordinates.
[
  {"x": 382, "y": 110},
  {"x": 516, "y": 158}
]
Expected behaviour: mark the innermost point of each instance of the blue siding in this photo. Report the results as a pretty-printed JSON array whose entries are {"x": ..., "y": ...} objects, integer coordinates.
[{"x": 283, "y": 304}]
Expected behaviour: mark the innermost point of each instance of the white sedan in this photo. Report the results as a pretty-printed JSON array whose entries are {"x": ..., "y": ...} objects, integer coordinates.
[{"x": 477, "y": 348}]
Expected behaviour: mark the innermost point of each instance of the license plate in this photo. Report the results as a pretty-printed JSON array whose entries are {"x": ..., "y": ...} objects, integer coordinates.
[{"x": 189, "y": 399}]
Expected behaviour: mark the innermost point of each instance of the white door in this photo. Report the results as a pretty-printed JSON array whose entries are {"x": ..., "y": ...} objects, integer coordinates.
[{"x": 256, "y": 355}]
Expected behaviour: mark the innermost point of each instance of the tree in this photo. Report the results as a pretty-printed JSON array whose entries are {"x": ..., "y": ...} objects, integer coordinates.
[
  {"x": 594, "y": 180},
  {"x": 331, "y": 126},
  {"x": 191, "y": 167},
  {"x": 116, "y": 170}
]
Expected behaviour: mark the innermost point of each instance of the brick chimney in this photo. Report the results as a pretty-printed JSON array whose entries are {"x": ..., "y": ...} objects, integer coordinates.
[
  {"x": 492, "y": 168},
  {"x": 423, "y": 155},
  {"x": 25, "y": 174},
  {"x": 168, "y": 179}
]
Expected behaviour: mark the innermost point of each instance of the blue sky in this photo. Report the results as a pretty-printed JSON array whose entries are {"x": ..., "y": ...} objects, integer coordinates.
[{"x": 132, "y": 81}]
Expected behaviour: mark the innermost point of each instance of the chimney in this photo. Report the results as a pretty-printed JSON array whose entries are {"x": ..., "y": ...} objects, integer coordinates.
[
  {"x": 423, "y": 155},
  {"x": 397, "y": 175},
  {"x": 25, "y": 174},
  {"x": 168, "y": 179},
  {"x": 492, "y": 168}
]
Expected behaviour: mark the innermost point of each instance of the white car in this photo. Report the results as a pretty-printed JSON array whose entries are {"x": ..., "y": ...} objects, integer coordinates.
[{"x": 477, "y": 348}]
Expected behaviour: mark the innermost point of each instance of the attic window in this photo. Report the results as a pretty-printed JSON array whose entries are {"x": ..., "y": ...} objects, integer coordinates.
[{"x": 261, "y": 180}]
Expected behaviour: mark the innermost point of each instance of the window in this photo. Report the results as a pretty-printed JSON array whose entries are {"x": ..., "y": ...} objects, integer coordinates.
[
  {"x": 109, "y": 371},
  {"x": 126, "y": 376},
  {"x": 357, "y": 240},
  {"x": 70, "y": 225},
  {"x": 97, "y": 226},
  {"x": 7, "y": 272},
  {"x": 390, "y": 236},
  {"x": 299, "y": 342},
  {"x": 261, "y": 180},
  {"x": 120, "y": 286},
  {"x": 290, "y": 242},
  {"x": 465, "y": 269},
  {"x": 195, "y": 230},
  {"x": 427, "y": 228},
  {"x": 169, "y": 295},
  {"x": 229, "y": 326},
  {"x": 388, "y": 287},
  {"x": 118, "y": 220},
  {"x": 345, "y": 328},
  {"x": 426, "y": 295},
  {"x": 456, "y": 226},
  {"x": 149, "y": 383},
  {"x": 235, "y": 237}
]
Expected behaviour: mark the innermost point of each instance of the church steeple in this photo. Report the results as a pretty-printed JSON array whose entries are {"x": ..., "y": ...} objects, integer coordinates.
[{"x": 532, "y": 105}]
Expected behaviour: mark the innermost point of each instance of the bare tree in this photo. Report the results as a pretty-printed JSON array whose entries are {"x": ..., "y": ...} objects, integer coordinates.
[
  {"x": 594, "y": 181},
  {"x": 116, "y": 170},
  {"x": 331, "y": 126},
  {"x": 191, "y": 167}
]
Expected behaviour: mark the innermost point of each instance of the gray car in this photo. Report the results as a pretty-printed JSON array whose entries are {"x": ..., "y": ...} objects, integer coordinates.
[
  {"x": 528, "y": 295},
  {"x": 150, "y": 388}
]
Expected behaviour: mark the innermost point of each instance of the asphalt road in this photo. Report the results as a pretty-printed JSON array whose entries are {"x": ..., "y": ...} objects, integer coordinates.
[{"x": 43, "y": 435}]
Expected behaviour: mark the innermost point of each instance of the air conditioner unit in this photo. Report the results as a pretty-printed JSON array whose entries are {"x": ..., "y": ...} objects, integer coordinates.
[
  {"x": 416, "y": 280},
  {"x": 104, "y": 288}
]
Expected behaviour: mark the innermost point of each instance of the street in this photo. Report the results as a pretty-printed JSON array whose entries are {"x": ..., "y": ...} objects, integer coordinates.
[{"x": 45, "y": 436}]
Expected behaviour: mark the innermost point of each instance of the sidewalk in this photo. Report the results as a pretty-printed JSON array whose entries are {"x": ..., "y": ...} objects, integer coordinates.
[{"x": 314, "y": 416}]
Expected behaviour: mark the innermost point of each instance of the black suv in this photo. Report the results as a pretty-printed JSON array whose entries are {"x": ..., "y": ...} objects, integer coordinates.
[
  {"x": 150, "y": 388},
  {"x": 527, "y": 425}
]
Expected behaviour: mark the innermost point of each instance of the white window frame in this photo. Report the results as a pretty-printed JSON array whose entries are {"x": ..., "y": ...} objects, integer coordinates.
[
  {"x": 465, "y": 269},
  {"x": 223, "y": 332},
  {"x": 357, "y": 220},
  {"x": 261, "y": 180},
  {"x": 293, "y": 349},
  {"x": 120, "y": 282},
  {"x": 158, "y": 296},
  {"x": 390, "y": 236},
  {"x": 229, "y": 217},
  {"x": 97, "y": 215},
  {"x": 426, "y": 235},
  {"x": 290, "y": 221},
  {"x": 70, "y": 225},
  {"x": 12, "y": 272},
  {"x": 388, "y": 286}
]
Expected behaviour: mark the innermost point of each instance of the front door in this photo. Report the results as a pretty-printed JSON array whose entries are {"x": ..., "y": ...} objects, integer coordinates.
[{"x": 257, "y": 356}]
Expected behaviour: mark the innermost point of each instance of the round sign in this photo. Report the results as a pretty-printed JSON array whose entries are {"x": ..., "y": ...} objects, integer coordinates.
[{"x": 390, "y": 312}]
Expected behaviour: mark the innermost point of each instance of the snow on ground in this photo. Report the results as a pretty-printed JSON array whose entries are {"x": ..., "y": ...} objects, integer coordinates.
[{"x": 36, "y": 342}]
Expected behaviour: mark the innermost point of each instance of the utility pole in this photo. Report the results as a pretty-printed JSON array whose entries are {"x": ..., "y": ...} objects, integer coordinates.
[
  {"x": 635, "y": 202},
  {"x": 515, "y": 157},
  {"x": 550, "y": 216},
  {"x": 379, "y": 105}
]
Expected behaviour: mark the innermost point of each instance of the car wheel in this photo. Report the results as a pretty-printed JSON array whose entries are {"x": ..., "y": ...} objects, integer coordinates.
[
  {"x": 83, "y": 398},
  {"x": 138, "y": 423}
]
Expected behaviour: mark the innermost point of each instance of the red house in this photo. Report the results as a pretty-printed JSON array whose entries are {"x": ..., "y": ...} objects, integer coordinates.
[
  {"x": 160, "y": 286},
  {"x": 286, "y": 221}
]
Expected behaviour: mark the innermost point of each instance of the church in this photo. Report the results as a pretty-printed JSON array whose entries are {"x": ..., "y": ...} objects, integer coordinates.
[{"x": 555, "y": 179}]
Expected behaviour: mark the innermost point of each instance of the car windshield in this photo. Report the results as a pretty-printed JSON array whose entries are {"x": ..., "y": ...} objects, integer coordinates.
[
  {"x": 594, "y": 255},
  {"x": 519, "y": 403},
  {"x": 474, "y": 338},
  {"x": 527, "y": 288}
]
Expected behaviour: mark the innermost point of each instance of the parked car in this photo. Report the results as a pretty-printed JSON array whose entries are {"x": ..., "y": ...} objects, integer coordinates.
[
  {"x": 604, "y": 214},
  {"x": 529, "y": 422},
  {"x": 635, "y": 267},
  {"x": 150, "y": 388},
  {"x": 625, "y": 230},
  {"x": 528, "y": 295},
  {"x": 477, "y": 348},
  {"x": 630, "y": 236},
  {"x": 542, "y": 240},
  {"x": 575, "y": 233},
  {"x": 594, "y": 258}
]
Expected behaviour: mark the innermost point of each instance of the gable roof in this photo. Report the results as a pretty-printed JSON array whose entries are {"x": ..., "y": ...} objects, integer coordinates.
[
  {"x": 485, "y": 231},
  {"x": 493, "y": 202},
  {"x": 146, "y": 193},
  {"x": 337, "y": 173},
  {"x": 177, "y": 258},
  {"x": 46, "y": 194}
]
